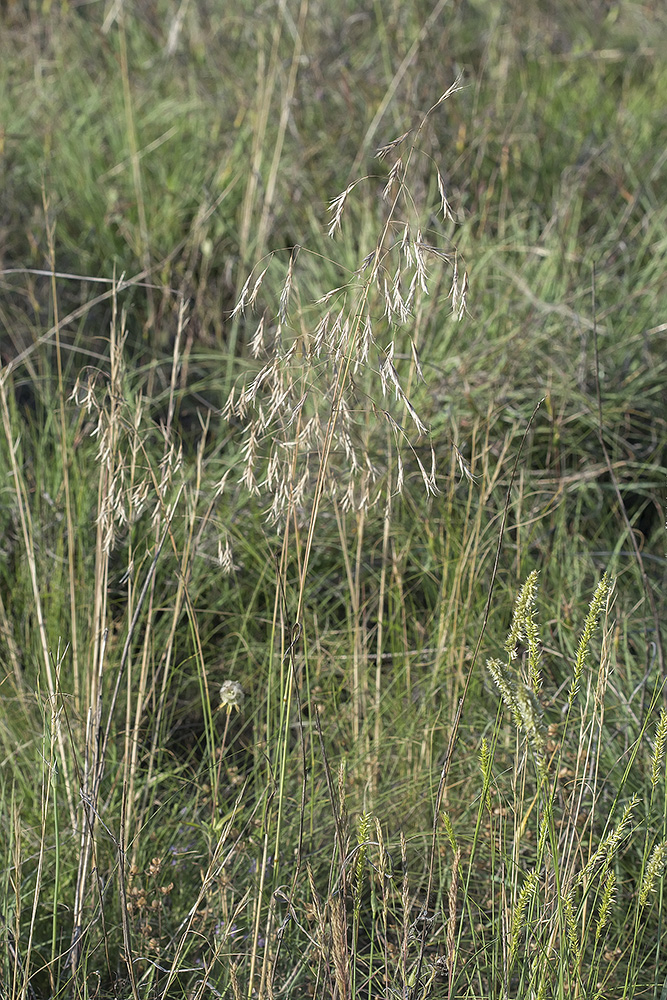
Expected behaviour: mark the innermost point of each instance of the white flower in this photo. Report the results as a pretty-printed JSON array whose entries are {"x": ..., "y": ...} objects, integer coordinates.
[{"x": 232, "y": 696}]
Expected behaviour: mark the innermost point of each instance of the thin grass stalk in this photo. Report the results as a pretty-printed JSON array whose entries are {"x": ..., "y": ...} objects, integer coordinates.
[
  {"x": 27, "y": 958},
  {"x": 93, "y": 705},
  {"x": 166, "y": 660},
  {"x": 444, "y": 772},
  {"x": 284, "y": 698},
  {"x": 285, "y": 111},
  {"x": 268, "y": 972},
  {"x": 445, "y": 588},
  {"x": 66, "y": 459},
  {"x": 216, "y": 865},
  {"x": 133, "y": 738},
  {"x": 354, "y": 620},
  {"x": 144, "y": 238},
  {"x": 54, "y": 966},
  {"x": 120, "y": 845},
  {"x": 18, "y": 978},
  {"x": 98, "y": 738},
  {"x": 86, "y": 783},
  {"x": 375, "y": 764},
  {"x": 285, "y": 692},
  {"x": 288, "y": 688},
  {"x": 360, "y": 672},
  {"x": 7, "y": 634},
  {"x": 28, "y": 541}
]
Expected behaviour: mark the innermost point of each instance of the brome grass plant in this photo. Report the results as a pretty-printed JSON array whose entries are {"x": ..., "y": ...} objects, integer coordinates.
[{"x": 331, "y": 530}]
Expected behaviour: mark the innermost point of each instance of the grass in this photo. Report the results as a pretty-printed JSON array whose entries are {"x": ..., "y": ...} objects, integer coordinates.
[{"x": 332, "y": 662}]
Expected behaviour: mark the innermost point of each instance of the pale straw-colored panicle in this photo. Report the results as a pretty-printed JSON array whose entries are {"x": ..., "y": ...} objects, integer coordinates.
[
  {"x": 222, "y": 482},
  {"x": 406, "y": 245},
  {"x": 229, "y": 409},
  {"x": 420, "y": 265},
  {"x": 453, "y": 89},
  {"x": 242, "y": 299},
  {"x": 347, "y": 503},
  {"x": 422, "y": 429},
  {"x": 464, "y": 468},
  {"x": 302, "y": 485},
  {"x": 388, "y": 301},
  {"x": 296, "y": 409},
  {"x": 249, "y": 453},
  {"x": 444, "y": 203},
  {"x": 400, "y": 476},
  {"x": 225, "y": 556},
  {"x": 398, "y": 304},
  {"x": 343, "y": 339},
  {"x": 336, "y": 207},
  {"x": 394, "y": 173},
  {"x": 273, "y": 470},
  {"x": 454, "y": 290},
  {"x": 364, "y": 340},
  {"x": 255, "y": 288},
  {"x": 383, "y": 151},
  {"x": 430, "y": 485},
  {"x": 369, "y": 259},
  {"x": 320, "y": 334},
  {"x": 257, "y": 342},
  {"x": 263, "y": 375},
  {"x": 463, "y": 298},
  {"x": 283, "y": 306}
]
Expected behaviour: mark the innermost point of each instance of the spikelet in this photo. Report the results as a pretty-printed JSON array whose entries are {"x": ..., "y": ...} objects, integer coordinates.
[
  {"x": 654, "y": 870},
  {"x": 521, "y": 695},
  {"x": 526, "y": 895},
  {"x": 606, "y": 904},
  {"x": 659, "y": 748},
  {"x": 590, "y": 625}
]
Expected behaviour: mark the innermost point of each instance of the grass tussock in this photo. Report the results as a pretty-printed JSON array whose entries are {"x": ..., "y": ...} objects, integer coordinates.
[{"x": 331, "y": 536}]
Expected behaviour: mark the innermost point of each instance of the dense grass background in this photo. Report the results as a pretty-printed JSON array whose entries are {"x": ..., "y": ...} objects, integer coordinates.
[{"x": 337, "y": 835}]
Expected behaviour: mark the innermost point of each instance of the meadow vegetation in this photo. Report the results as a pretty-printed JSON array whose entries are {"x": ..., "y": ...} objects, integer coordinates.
[{"x": 332, "y": 530}]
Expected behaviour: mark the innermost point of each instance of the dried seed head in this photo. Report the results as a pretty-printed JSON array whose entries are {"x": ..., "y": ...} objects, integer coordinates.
[
  {"x": 393, "y": 176},
  {"x": 336, "y": 209},
  {"x": 257, "y": 342},
  {"x": 444, "y": 203},
  {"x": 455, "y": 87},
  {"x": 241, "y": 302},
  {"x": 463, "y": 297},
  {"x": 256, "y": 287},
  {"x": 287, "y": 287},
  {"x": 225, "y": 556},
  {"x": 384, "y": 150}
]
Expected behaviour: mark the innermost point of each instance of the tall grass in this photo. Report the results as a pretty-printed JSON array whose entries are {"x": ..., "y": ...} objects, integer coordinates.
[{"x": 267, "y": 515}]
